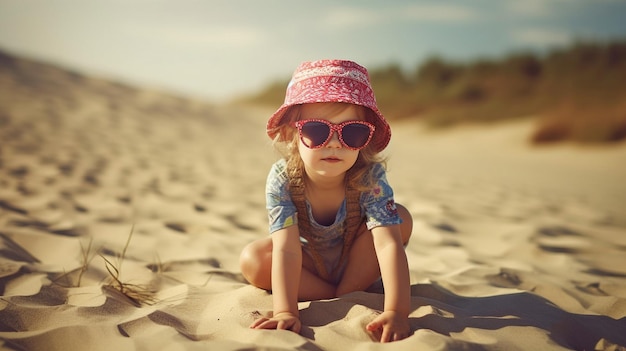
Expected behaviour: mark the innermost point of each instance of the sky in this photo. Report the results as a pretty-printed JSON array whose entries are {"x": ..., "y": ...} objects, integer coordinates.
[{"x": 219, "y": 49}]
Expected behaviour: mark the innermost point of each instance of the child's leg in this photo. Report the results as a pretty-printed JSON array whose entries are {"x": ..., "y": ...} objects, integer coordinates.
[
  {"x": 256, "y": 266},
  {"x": 362, "y": 269}
]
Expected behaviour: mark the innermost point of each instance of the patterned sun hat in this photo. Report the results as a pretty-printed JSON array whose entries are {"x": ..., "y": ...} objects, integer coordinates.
[{"x": 332, "y": 81}]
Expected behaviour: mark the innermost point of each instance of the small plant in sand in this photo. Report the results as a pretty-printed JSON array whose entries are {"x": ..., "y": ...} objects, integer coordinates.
[
  {"x": 137, "y": 294},
  {"x": 86, "y": 258}
]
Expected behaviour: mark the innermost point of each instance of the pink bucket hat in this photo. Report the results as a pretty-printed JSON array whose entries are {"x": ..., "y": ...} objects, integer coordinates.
[{"x": 332, "y": 81}]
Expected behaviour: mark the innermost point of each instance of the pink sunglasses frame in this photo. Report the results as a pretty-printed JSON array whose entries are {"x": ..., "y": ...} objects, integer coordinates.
[{"x": 338, "y": 128}]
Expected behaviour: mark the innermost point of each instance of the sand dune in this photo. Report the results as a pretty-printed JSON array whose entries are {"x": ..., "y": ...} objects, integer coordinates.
[{"x": 123, "y": 211}]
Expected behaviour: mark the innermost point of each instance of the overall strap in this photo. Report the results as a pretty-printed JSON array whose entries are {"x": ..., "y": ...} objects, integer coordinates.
[{"x": 353, "y": 222}]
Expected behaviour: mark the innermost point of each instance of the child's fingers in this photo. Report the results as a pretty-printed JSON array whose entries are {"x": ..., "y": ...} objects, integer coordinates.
[
  {"x": 258, "y": 322},
  {"x": 269, "y": 323},
  {"x": 397, "y": 337},
  {"x": 291, "y": 325},
  {"x": 386, "y": 335},
  {"x": 264, "y": 323},
  {"x": 373, "y": 326},
  {"x": 376, "y": 330}
]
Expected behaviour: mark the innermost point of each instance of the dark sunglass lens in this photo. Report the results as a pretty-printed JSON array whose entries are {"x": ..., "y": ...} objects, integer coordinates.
[
  {"x": 314, "y": 133},
  {"x": 356, "y": 135}
]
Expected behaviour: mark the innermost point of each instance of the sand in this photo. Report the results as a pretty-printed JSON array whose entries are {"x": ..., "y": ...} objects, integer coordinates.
[{"x": 123, "y": 212}]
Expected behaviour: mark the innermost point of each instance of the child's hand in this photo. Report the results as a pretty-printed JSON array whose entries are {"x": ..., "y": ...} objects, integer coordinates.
[
  {"x": 283, "y": 320},
  {"x": 390, "y": 326}
]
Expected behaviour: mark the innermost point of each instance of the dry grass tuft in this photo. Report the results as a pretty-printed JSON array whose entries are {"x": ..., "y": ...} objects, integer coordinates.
[
  {"x": 74, "y": 278},
  {"x": 137, "y": 294}
]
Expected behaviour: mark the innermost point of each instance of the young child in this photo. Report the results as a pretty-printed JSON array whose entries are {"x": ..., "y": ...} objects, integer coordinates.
[{"x": 334, "y": 225}]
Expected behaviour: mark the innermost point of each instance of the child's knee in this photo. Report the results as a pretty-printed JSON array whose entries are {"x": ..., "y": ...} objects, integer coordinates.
[
  {"x": 245, "y": 259},
  {"x": 247, "y": 255},
  {"x": 255, "y": 262}
]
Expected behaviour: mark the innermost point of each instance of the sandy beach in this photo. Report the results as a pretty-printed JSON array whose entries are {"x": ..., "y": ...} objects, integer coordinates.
[{"x": 123, "y": 212}]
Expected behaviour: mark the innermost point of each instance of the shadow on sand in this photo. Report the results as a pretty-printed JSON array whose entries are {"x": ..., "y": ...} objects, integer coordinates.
[{"x": 452, "y": 313}]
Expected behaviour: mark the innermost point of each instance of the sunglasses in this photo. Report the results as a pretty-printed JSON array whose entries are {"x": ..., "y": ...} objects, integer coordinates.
[{"x": 317, "y": 133}]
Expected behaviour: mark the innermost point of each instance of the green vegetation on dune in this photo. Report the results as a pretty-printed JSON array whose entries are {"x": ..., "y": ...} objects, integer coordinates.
[{"x": 576, "y": 93}]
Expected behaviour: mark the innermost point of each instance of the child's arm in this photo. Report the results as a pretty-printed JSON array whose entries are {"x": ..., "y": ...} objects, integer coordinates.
[
  {"x": 286, "y": 270},
  {"x": 395, "y": 274}
]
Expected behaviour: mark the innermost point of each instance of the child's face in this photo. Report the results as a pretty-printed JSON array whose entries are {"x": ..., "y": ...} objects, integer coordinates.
[{"x": 333, "y": 159}]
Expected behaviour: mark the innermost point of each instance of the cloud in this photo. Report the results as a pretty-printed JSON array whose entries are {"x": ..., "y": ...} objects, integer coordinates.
[
  {"x": 194, "y": 36},
  {"x": 541, "y": 36},
  {"x": 346, "y": 17},
  {"x": 352, "y": 16},
  {"x": 550, "y": 8},
  {"x": 439, "y": 12},
  {"x": 532, "y": 8}
]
